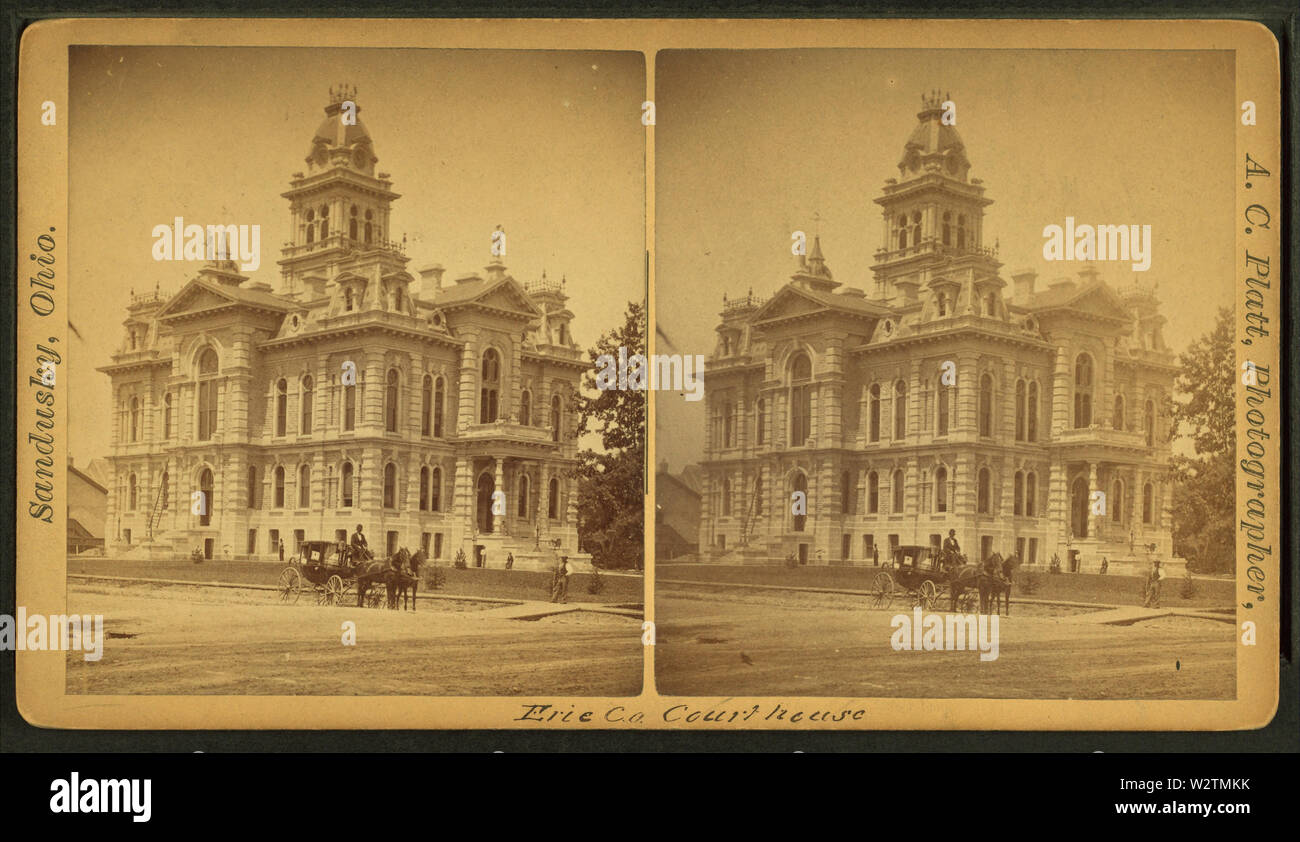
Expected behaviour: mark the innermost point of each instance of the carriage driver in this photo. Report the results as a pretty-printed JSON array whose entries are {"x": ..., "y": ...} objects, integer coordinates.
[
  {"x": 951, "y": 549},
  {"x": 360, "y": 549}
]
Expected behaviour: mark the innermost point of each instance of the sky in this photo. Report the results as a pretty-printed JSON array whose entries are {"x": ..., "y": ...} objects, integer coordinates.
[
  {"x": 547, "y": 144},
  {"x": 750, "y": 144}
]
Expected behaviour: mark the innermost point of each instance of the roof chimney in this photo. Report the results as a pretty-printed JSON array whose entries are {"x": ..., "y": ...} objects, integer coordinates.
[
  {"x": 431, "y": 281},
  {"x": 1023, "y": 282}
]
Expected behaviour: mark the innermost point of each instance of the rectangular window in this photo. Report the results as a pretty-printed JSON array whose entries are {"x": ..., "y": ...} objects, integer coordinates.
[
  {"x": 936, "y": 541},
  {"x": 252, "y": 541},
  {"x": 846, "y": 546},
  {"x": 869, "y": 548},
  {"x": 299, "y": 536},
  {"x": 126, "y": 535},
  {"x": 1020, "y": 548},
  {"x": 391, "y": 543},
  {"x": 341, "y": 535},
  {"x": 893, "y": 544},
  {"x": 437, "y": 545},
  {"x": 1032, "y": 558},
  {"x": 986, "y": 546},
  {"x": 424, "y": 542},
  {"x": 273, "y": 540},
  {"x": 349, "y": 407}
]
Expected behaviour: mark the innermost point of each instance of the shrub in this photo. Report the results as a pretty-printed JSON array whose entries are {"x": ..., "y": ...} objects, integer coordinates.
[
  {"x": 791, "y": 561},
  {"x": 460, "y": 563},
  {"x": 434, "y": 577},
  {"x": 1187, "y": 587},
  {"x": 197, "y": 556},
  {"x": 596, "y": 583},
  {"x": 1028, "y": 582}
]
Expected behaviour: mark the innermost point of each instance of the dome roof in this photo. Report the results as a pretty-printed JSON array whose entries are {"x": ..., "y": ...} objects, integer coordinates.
[
  {"x": 933, "y": 145},
  {"x": 335, "y": 132}
]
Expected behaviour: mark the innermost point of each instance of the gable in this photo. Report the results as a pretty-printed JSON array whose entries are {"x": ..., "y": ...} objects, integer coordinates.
[
  {"x": 787, "y": 303},
  {"x": 194, "y": 297}
]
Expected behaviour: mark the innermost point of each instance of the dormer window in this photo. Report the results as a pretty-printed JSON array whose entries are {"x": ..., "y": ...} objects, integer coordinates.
[{"x": 347, "y": 300}]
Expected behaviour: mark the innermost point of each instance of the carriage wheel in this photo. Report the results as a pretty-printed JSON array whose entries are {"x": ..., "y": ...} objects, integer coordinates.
[
  {"x": 333, "y": 594},
  {"x": 375, "y": 597},
  {"x": 968, "y": 602},
  {"x": 290, "y": 584},
  {"x": 927, "y": 594},
  {"x": 882, "y": 590}
]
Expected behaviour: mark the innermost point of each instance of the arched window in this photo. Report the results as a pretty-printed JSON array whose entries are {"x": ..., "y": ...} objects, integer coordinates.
[
  {"x": 206, "y": 488},
  {"x": 961, "y": 230},
  {"x": 1019, "y": 502},
  {"x": 900, "y": 410},
  {"x": 1116, "y": 501},
  {"x": 132, "y": 493},
  {"x": 164, "y": 493},
  {"x": 369, "y": 232},
  {"x": 306, "y": 404},
  {"x": 526, "y": 408},
  {"x": 281, "y": 406},
  {"x": 207, "y": 394},
  {"x": 435, "y": 490},
  {"x": 349, "y": 407},
  {"x": 311, "y": 230},
  {"x": 135, "y": 419},
  {"x": 1082, "y": 391},
  {"x": 873, "y": 493},
  {"x": 946, "y": 395},
  {"x": 279, "y": 486},
  {"x": 252, "y": 486},
  {"x": 490, "y": 385},
  {"x": 760, "y": 421},
  {"x": 1020, "y": 410},
  {"x": 439, "y": 396},
  {"x": 941, "y": 489},
  {"x": 167, "y": 416},
  {"x": 902, "y": 232},
  {"x": 426, "y": 405},
  {"x": 424, "y": 488},
  {"x": 553, "y": 499},
  {"x": 324, "y": 224},
  {"x": 1117, "y": 421},
  {"x": 390, "y": 486},
  {"x": 557, "y": 415},
  {"x": 1149, "y": 423},
  {"x": 846, "y": 493},
  {"x": 345, "y": 486},
  {"x": 916, "y": 228},
  {"x": 728, "y": 424},
  {"x": 986, "y": 406},
  {"x": 304, "y": 487},
  {"x": 1148, "y": 503},
  {"x": 352, "y": 223},
  {"x": 800, "y": 399},
  {"x": 390, "y": 402},
  {"x": 898, "y": 491},
  {"x": 758, "y": 496},
  {"x": 947, "y": 228},
  {"x": 1031, "y": 494},
  {"x": 726, "y": 497},
  {"x": 983, "y": 491},
  {"x": 801, "y": 485},
  {"x": 873, "y": 412},
  {"x": 1031, "y": 425},
  {"x": 523, "y": 497},
  {"x": 347, "y": 300}
]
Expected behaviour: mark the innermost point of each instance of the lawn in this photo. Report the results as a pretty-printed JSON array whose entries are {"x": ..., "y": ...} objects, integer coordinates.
[{"x": 1070, "y": 587}]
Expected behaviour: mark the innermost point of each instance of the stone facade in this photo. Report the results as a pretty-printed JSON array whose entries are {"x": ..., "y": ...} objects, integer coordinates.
[
  {"x": 941, "y": 400},
  {"x": 354, "y": 393}
]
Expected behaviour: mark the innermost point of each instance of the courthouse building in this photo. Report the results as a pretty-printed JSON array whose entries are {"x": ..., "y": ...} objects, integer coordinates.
[
  {"x": 940, "y": 398},
  {"x": 436, "y": 414}
]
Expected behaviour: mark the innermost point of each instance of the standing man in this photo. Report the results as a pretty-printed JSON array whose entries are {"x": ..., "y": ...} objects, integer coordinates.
[
  {"x": 360, "y": 547},
  {"x": 1152, "y": 599},
  {"x": 562, "y": 580},
  {"x": 282, "y": 551},
  {"x": 1104, "y": 564}
]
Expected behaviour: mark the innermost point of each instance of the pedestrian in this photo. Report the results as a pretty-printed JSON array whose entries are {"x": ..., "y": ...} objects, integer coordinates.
[
  {"x": 482, "y": 557},
  {"x": 1152, "y": 598},
  {"x": 563, "y": 573},
  {"x": 510, "y": 561},
  {"x": 281, "y": 550},
  {"x": 875, "y": 554},
  {"x": 1104, "y": 564}
]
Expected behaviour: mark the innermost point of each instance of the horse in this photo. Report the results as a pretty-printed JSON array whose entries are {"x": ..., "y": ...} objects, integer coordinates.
[
  {"x": 381, "y": 573},
  {"x": 999, "y": 581},
  {"x": 967, "y": 577},
  {"x": 408, "y": 580}
]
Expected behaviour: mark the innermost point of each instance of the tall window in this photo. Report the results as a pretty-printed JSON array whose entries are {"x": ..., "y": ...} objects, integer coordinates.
[
  {"x": 873, "y": 412},
  {"x": 424, "y": 488},
  {"x": 435, "y": 490},
  {"x": 279, "y": 486},
  {"x": 345, "y": 486},
  {"x": 726, "y": 497},
  {"x": 164, "y": 493},
  {"x": 207, "y": 394},
  {"x": 439, "y": 396},
  {"x": 961, "y": 230},
  {"x": 902, "y": 232},
  {"x": 1149, "y": 423},
  {"x": 352, "y": 223},
  {"x": 900, "y": 410},
  {"x": 1082, "y": 391},
  {"x": 349, "y": 407},
  {"x": 523, "y": 496},
  {"x": 941, "y": 489},
  {"x": 206, "y": 486},
  {"x": 390, "y": 486},
  {"x": 1031, "y": 425},
  {"x": 281, "y": 406},
  {"x": 304, "y": 487},
  {"x": 490, "y": 386},
  {"x": 846, "y": 493},
  {"x": 758, "y": 495},
  {"x": 135, "y": 419},
  {"x": 1031, "y": 494},
  {"x": 1117, "y": 421},
  {"x": 311, "y": 227},
  {"x": 1116, "y": 501},
  {"x": 986, "y": 406},
  {"x": 556, "y": 417},
  {"x": 390, "y": 402},
  {"x": 426, "y": 406},
  {"x": 873, "y": 493},
  {"x": 800, "y": 399},
  {"x": 1148, "y": 503},
  {"x": 526, "y": 408},
  {"x": 133, "y": 493},
  {"x": 728, "y": 424},
  {"x": 553, "y": 499},
  {"x": 306, "y": 404},
  {"x": 760, "y": 421},
  {"x": 1020, "y": 410},
  {"x": 1019, "y": 501},
  {"x": 983, "y": 491},
  {"x": 801, "y": 485},
  {"x": 947, "y": 228},
  {"x": 252, "y": 486},
  {"x": 347, "y": 300},
  {"x": 898, "y": 491},
  {"x": 916, "y": 228},
  {"x": 167, "y": 416}
]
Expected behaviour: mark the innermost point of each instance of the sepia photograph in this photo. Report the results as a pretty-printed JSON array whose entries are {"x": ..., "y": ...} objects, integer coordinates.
[
  {"x": 966, "y": 320},
  {"x": 331, "y": 341}
]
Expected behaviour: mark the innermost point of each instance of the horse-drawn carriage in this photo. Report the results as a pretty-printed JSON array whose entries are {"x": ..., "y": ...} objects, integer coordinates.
[
  {"x": 330, "y": 570},
  {"x": 921, "y": 573}
]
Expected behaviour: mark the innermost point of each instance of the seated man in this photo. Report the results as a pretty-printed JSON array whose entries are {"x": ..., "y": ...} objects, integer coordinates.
[{"x": 360, "y": 548}]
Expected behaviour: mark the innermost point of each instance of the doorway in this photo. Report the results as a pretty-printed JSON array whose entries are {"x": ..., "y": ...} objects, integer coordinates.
[
  {"x": 483, "y": 509},
  {"x": 1079, "y": 507}
]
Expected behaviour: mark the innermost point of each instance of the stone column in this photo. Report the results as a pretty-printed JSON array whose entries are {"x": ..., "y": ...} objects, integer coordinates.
[
  {"x": 1061, "y": 393},
  {"x": 1094, "y": 521},
  {"x": 499, "y": 484}
]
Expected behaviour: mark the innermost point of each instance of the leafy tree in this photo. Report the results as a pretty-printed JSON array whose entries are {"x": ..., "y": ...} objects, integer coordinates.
[
  {"x": 1204, "y": 490},
  {"x": 611, "y": 482}
]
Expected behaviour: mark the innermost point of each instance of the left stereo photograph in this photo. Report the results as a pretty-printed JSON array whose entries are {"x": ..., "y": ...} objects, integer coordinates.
[{"x": 332, "y": 318}]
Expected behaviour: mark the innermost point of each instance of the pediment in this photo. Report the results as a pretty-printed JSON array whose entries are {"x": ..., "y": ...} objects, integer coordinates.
[
  {"x": 507, "y": 295},
  {"x": 1099, "y": 300},
  {"x": 194, "y": 297},
  {"x": 788, "y": 302}
]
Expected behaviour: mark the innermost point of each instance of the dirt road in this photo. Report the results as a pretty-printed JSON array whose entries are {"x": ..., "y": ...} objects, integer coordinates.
[
  {"x": 186, "y": 640},
  {"x": 829, "y": 645}
]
